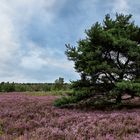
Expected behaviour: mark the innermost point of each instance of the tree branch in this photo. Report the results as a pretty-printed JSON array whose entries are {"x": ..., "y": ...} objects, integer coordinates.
[{"x": 118, "y": 61}]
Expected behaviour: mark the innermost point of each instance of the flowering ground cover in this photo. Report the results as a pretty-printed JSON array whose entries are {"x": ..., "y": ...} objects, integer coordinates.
[{"x": 25, "y": 117}]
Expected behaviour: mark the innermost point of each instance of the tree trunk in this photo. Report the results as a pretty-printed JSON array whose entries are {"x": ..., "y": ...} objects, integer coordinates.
[{"x": 119, "y": 98}]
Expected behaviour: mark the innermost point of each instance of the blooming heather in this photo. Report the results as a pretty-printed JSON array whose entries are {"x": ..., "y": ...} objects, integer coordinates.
[{"x": 24, "y": 117}]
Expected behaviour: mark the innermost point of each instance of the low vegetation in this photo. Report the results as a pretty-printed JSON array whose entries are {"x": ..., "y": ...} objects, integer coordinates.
[
  {"x": 26, "y": 117},
  {"x": 58, "y": 86}
]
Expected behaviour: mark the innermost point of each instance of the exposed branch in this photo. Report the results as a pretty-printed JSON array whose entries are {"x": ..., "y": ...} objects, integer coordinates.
[
  {"x": 112, "y": 76},
  {"x": 118, "y": 61},
  {"x": 126, "y": 63}
]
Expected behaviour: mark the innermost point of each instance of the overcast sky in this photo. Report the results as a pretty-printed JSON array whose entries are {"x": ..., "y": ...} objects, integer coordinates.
[{"x": 33, "y": 34}]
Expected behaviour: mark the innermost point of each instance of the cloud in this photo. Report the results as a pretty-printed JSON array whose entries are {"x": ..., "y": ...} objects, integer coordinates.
[
  {"x": 8, "y": 39},
  {"x": 16, "y": 51},
  {"x": 38, "y": 58},
  {"x": 33, "y": 59},
  {"x": 33, "y": 34},
  {"x": 121, "y": 6}
]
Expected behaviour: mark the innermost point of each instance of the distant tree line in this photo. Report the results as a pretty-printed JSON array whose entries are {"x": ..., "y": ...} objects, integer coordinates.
[{"x": 23, "y": 87}]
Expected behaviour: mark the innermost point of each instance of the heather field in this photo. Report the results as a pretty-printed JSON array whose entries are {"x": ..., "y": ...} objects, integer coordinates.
[{"x": 29, "y": 117}]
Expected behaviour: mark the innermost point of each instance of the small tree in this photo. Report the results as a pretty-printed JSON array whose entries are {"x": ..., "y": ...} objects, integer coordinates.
[
  {"x": 59, "y": 83},
  {"x": 108, "y": 59}
]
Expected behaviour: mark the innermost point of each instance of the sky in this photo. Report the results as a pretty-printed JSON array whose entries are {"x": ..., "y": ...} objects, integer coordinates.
[{"x": 33, "y": 34}]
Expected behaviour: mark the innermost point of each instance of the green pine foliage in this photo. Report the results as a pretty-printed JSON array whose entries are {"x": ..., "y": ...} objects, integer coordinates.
[{"x": 129, "y": 87}]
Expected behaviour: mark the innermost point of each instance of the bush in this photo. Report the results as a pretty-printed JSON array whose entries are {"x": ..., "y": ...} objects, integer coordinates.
[
  {"x": 74, "y": 97},
  {"x": 64, "y": 101},
  {"x": 129, "y": 87},
  {"x": 7, "y": 87}
]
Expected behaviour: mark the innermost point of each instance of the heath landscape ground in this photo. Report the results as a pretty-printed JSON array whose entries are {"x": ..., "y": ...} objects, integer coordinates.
[{"x": 31, "y": 117}]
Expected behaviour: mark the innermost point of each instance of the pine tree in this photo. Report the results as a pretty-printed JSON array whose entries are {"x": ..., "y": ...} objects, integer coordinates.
[{"x": 109, "y": 56}]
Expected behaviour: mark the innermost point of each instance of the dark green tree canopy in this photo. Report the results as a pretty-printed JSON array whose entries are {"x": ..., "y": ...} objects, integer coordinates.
[{"x": 109, "y": 54}]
